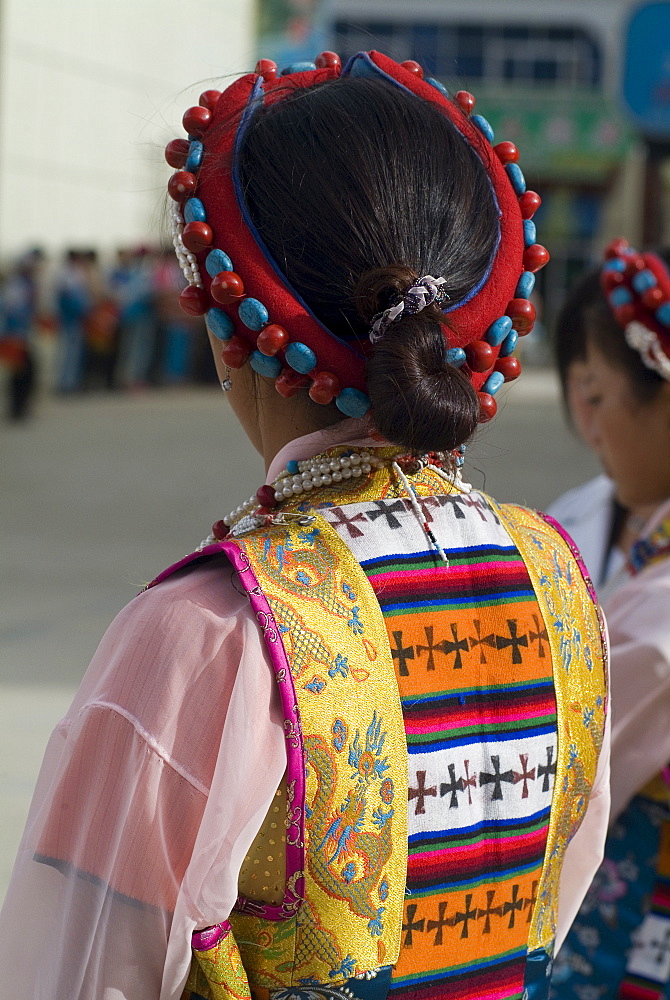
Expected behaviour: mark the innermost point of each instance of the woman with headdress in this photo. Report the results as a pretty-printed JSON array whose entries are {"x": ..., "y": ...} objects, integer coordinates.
[
  {"x": 613, "y": 349},
  {"x": 352, "y": 745}
]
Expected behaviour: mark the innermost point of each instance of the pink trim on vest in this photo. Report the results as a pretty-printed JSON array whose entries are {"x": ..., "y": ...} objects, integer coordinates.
[{"x": 295, "y": 769}]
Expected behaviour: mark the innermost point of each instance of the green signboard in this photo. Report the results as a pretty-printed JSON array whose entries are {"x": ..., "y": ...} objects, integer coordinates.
[{"x": 575, "y": 137}]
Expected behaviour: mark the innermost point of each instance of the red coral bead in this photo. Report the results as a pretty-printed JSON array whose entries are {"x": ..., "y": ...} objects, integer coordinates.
[
  {"x": 194, "y": 300},
  {"x": 487, "y": 407},
  {"x": 529, "y": 202},
  {"x": 266, "y": 496},
  {"x": 535, "y": 257},
  {"x": 182, "y": 185},
  {"x": 616, "y": 248},
  {"x": 176, "y": 152},
  {"x": 652, "y": 297},
  {"x": 236, "y": 352},
  {"x": 267, "y": 69},
  {"x": 465, "y": 101},
  {"x": 610, "y": 279},
  {"x": 324, "y": 388},
  {"x": 624, "y": 314},
  {"x": 634, "y": 264},
  {"x": 208, "y": 99},
  {"x": 272, "y": 339},
  {"x": 227, "y": 287},
  {"x": 413, "y": 67},
  {"x": 480, "y": 356},
  {"x": 506, "y": 152},
  {"x": 328, "y": 60},
  {"x": 288, "y": 383},
  {"x": 509, "y": 367},
  {"x": 196, "y": 120},
  {"x": 197, "y": 236},
  {"x": 220, "y": 530},
  {"x": 522, "y": 314}
]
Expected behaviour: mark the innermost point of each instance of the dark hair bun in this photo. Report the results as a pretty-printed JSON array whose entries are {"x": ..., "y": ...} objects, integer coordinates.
[{"x": 419, "y": 401}]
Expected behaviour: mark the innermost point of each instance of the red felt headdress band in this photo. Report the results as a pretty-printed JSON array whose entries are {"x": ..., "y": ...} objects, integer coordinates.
[{"x": 247, "y": 300}]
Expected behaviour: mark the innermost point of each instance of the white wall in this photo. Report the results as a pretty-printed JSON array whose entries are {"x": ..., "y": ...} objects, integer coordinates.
[{"x": 90, "y": 92}]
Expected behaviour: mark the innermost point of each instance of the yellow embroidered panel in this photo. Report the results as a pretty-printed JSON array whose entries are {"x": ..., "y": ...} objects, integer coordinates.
[
  {"x": 356, "y": 764},
  {"x": 576, "y": 637},
  {"x": 218, "y": 974}
]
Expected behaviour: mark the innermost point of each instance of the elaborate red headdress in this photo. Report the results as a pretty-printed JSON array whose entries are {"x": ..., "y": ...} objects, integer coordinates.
[
  {"x": 637, "y": 286},
  {"x": 249, "y": 304}
]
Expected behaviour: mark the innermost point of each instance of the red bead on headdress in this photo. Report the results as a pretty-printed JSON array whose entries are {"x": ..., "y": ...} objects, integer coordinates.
[
  {"x": 249, "y": 304},
  {"x": 637, "y": 287}
]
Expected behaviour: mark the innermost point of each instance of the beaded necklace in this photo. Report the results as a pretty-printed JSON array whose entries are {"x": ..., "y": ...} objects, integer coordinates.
[{"x": 325, "y": 470}]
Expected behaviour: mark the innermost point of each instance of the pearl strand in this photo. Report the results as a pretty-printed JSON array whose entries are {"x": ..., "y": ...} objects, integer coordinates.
[
  {"x": 187, "y": 260},
  {"x": 314, "y": 473}
]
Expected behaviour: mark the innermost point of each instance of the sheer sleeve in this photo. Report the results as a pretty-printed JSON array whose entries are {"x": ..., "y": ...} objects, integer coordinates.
[
  {"x": 147, "y": 798},
  {"x": 637, "y": 615}
]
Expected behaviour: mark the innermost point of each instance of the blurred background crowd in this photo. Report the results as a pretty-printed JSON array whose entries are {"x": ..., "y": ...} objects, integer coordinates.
[{"x": 85, "y": 322}]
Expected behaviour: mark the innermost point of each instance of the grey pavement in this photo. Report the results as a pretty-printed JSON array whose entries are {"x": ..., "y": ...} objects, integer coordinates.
[{"x": 101, "y": 492}]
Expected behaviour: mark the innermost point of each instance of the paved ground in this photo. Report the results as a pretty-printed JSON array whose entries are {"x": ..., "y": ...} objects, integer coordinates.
[{"x": 100, "y": 493}]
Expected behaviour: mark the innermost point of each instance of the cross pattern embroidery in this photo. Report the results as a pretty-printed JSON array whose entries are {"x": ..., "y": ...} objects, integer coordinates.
[
  {"x": 544, "y": 771},
  {"x": 539, "y": 636},
  {"x": 489, "y": 911},
  {"x": 402, "y": 654},
  {"x": 512, "y": 641},
  {"x": 421, "y": 792},
  {"x": 482, "y": 640},
  {"x": 440, "y": 923},
  {"x": 524, "y": 775},
  {"x": 388, "y": 509},
  {"x": 348, "y": 522},
  {"x": 411, "y": 924},
  {"x": 496, "y": 778}
]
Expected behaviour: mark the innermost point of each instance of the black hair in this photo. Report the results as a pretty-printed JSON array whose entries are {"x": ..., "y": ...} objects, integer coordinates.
[
  {"x": 357, "y": 187},
  {"x": 586, "y": 318}
]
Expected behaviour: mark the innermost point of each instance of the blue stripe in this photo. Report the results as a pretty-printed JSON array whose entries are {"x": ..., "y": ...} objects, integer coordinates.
[
  {"x": 416, "y": 702},
  {"x": 488, "y": 825},
  {"x": 458, "y": 970},
  {"x": 491, "y": 737},
  {"x": 473, "y": 599}
]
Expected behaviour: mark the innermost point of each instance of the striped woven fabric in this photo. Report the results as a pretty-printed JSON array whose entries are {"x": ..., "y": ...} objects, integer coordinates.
[{"x": 475, "y": 676}]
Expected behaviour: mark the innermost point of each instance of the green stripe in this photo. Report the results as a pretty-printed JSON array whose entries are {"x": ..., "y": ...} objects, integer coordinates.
[
  {"x": 501, "y": 956},
  {"x": 476, "y": 883},
  {"x": 485, "y": 601},
  {"x": 427, "y": 564},
  {"x": 408, "y": 702},
  {"x": 514, "y": 726},
  {"x": 468, "y": 840}
]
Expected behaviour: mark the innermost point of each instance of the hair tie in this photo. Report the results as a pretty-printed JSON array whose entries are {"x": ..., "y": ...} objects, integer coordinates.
[{"x": 426, "y": 291}]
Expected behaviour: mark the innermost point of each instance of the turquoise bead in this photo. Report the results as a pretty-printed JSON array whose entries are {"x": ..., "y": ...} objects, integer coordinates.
[
  {"x": 498, "y": 330},
  {"x": 218, "y": 261},
  {"x": 517, "y": 180},
  {"x": 253, "y": 314},
  {"x": 352, "y": 402},
  {"x": 300, "y": 357},
  {"x": 508, "y": 344},
  {"x": 292, "y": 467},
  {"x": 620, "y": 296},
  {"x": 525, "y": 285},
  {"x": 493, "y": 382},
  {"x": 219, "y": 324},
  {"x": 265, "y": 365},
  {"x": 298, "y": 67},
  {"x": 455, "y": 356},
  {"x": 484, "y": 127},
  {"x": 643, "y": 280},
  {"x": 663, "y": 314},
  {"x": 529, "y": 232},
  {"x": 438, "y": 86},
  {"x": 194, "y": 158},
  {"x": 614, "y": 265},
  {"x": 194, "y": 211}
]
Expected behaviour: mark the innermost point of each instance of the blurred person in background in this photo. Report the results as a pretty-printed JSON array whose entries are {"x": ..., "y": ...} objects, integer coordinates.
[
  {"x": 613, "y": 352},
  {"x": 354, "y": 746},
  {"x": 19, "y": 310},
  {"x": 73, "y": 303},
  {"x": 131, "y": 281}
]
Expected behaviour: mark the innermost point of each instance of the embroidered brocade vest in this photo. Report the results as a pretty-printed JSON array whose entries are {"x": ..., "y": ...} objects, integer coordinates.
[{"x": 456, "y": 709}]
